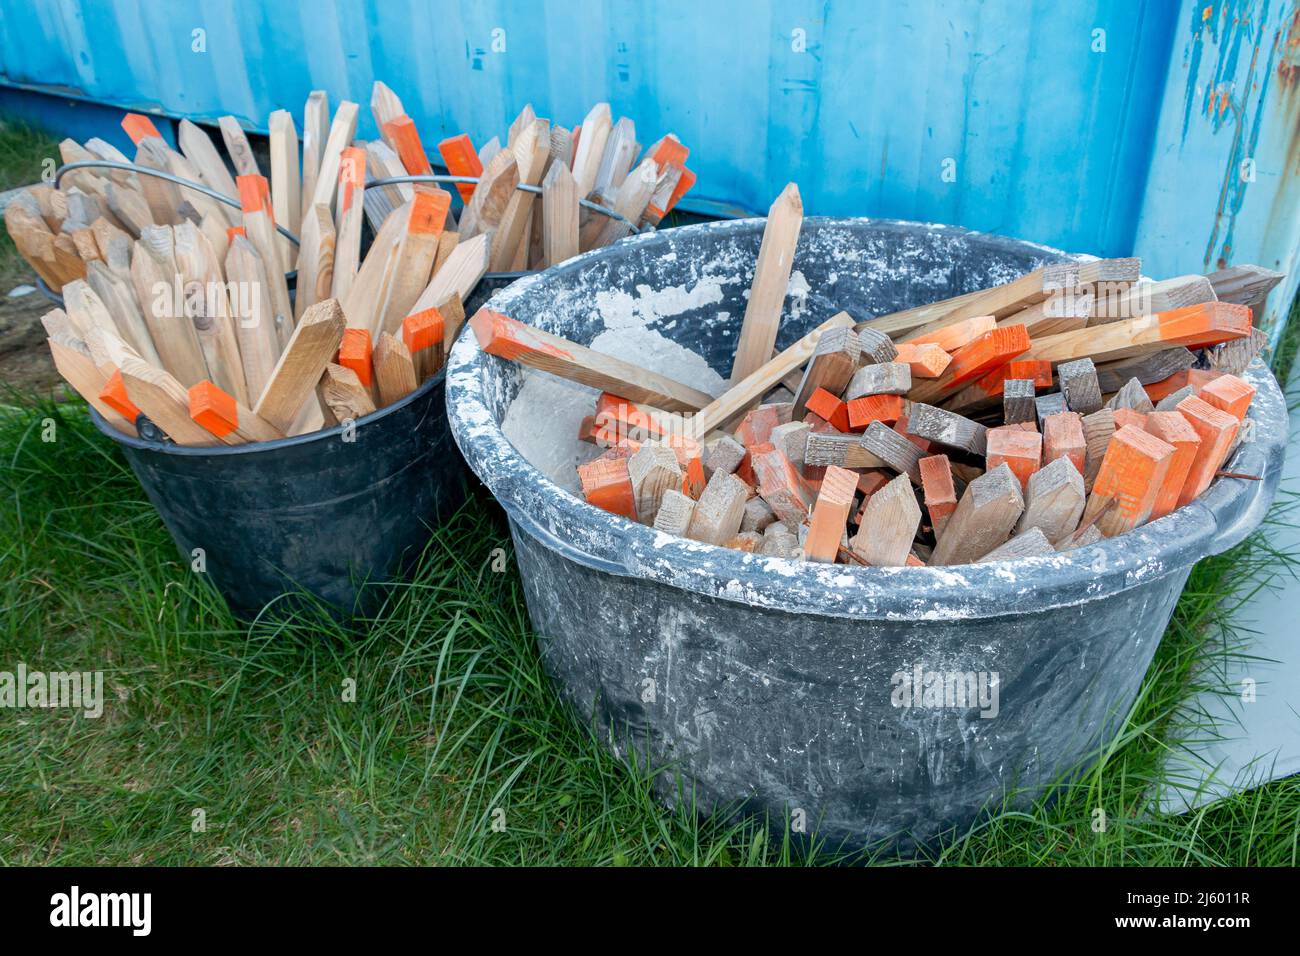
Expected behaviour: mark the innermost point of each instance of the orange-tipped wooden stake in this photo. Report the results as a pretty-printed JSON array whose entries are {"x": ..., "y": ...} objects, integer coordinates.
[
  {"x": 958, "y": 335},
  {"x": 607, "y": 484},
  {"x": 1132, "y": 472},
  {"x": 232, "y": 231},
  {"x": 413, "y": 259},
  {"x": 927, "y": 359},
  {"x": 940, "y": 492},
  {"x": 164, "y": 401},
  {"x": 502, "y": 336},
  {"x": 138, "y": 127},
  {"x": 114, "y": 396},
  {"x": 293, "y": 382},
  {"x": 259, "y": 229},
  {"x": 348, "y": 219},
  {"x": 1230, "y": 394},
  {"x": 1021, "y": 450},
  {"x": 423, "y": 333},
  {"x": 874, "y": 408},
  {"x": 684, "y": 185},
  {"x": 1063, "y": 438},
  {"x": 355, "y": 352},
  {"x": 1173, "y": 428},
  {"x": 462, "y": 160},
  {"x": 405, "y": 139},
  {"x": 1195, "y": 326},
  {"x": 219, "y": 413},
  {"x": 830, "y": 514},
  {"x": 995, "y": 347},
  {"x": 1217, "y": 430}
]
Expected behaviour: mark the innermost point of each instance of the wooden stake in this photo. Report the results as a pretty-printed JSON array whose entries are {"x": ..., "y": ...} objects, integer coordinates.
[
  {"x": 316, "y": 263},
  {"x": 771, "y": 278},
  {"x": 560, "y": 215},
  {"x": 342, "y": 130},
  {"x": 315, "y": 129},
  {"x": 227, "y": 419},
  {"x": 208, "y": 308},
  {"x": 347, "y": 221},
  {"x": 457, "y": 275},
  {"x": 940, "y": 492},
  {"x": 461, "y": 160},
  {"x": 259, "y": 227},
  {"x": 340, "y": 391},
  {"x": 237, "y": 145},
  {"x": 993, "y": 348},
  {"x": 1217, "y": 431},
  {"x": 394, "y": 370},
  {"x": 199, "y": 150},
  {"x": 830, "y": 514},
  {"x": 1132, "y": 471},
  {"x": 983, "y": 519},
  {"x": 504, "y": 337},
  {"x": 413, "y": 259},
  {"x": 1054, "y": 500},
  {"x": 259, "y": 345},
  {"x": 745, "y": 393},
  {"x": 1063, "y": 438},
  {"x": 423, "y": 334},
  {"x": 491, "y": 196},
  {"x": 154, "y": 276},
  {"x": 1175, "y": 430},
  {"x": 653, "y": 470},
  {"x": 590, "y": 147},
  {"x": 312, "y": 347},
  {"x": 286, "y": 184},
  {"x": 164, "y": 401},
  {"x": 890, "y": 521}
]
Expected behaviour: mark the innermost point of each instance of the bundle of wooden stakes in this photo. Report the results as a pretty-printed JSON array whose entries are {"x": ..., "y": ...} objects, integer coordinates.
[
  {"x": 176, "y": 306},
  {"x": 1073, "y": 403}
]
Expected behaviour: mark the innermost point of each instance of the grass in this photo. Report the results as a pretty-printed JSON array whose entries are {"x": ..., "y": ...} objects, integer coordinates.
[
  {"x": 452, "y": 718},
  {"x": 429, "y": 734}
]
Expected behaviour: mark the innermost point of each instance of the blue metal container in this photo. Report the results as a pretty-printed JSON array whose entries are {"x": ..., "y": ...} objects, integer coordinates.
[{"x": 1147, "y": 127}]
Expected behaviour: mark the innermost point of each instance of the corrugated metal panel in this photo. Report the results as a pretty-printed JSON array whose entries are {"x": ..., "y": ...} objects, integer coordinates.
[
  {"x": 1105, "y": 127},
  {"x": 1223, "y": 186}
]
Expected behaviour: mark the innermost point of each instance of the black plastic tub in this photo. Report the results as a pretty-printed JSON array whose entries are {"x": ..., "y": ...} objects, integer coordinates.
[
  {"x": 778, "y": 686},
  {"x": 315, "y": 513}
]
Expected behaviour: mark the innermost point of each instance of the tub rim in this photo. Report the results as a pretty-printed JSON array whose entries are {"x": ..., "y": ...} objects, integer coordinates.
[{"x": 1221, "y": 517}]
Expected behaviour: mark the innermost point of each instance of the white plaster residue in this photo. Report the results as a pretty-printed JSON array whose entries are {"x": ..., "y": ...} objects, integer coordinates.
[{"x": 620, "y": 309}]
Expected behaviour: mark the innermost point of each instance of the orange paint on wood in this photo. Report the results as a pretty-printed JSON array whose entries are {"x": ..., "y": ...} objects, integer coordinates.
[
  {"x": 780, "y": 484},
  {"x": 1217, "y": 430},
  {"x": 213, "y": 409},
  {"x": 405, "y": 139},
  {"x": 462, "y": 160},
  {"x": 1198, "y": 378},
  {"x": 1021, "y": 450},
  {"x": 830, "y": 514},
  {"x": 995, "y": 347},
  {"x": 254, "y": 194},
  {"x": 607, "y": 485},
  {"x": 507, "y": 338},
  {"x": 1036, "y": 370},
  {"x": 429, "y": 212},
  {"x": 874, "y": 408},
  {"x": 114, "y": 396},
  {"x": 684, "y": 183},
  {"x": 1132, "y": 471},
  {"x": 352, "y": 173},
  {"x": 830, "y": 408},
  {"x": 354, "y": 353},
  {"x": 138, "y": 127},
  {"x": 1175, "y": 430},
  {"x": 232, "y": 231},
  {"x": 940, "y": 492},
  {"x": 1230, "y": 394},
  {"x": 670, "y": 152},
  {"x": 1205, "y": 324},
  {"x": 756, "y": 427},
  {"x": 693, "y": 480},
  {"x": 1063, "y": 438},
  {"x": 422, "y": 329}
]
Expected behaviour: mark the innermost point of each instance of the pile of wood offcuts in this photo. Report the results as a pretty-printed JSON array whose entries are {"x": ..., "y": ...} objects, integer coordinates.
[{"x": 1070, "y": 404}]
